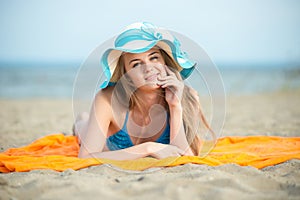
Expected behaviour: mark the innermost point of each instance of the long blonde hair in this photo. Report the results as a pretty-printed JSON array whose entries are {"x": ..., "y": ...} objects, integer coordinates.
[{"x": 192, "y": 110}]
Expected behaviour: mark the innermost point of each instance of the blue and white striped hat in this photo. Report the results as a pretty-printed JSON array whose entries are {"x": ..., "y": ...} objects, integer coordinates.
[{"x": 139, "y": 38}]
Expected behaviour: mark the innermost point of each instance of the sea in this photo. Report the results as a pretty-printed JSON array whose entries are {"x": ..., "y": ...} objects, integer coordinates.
[{"x": 57, "y": 80}]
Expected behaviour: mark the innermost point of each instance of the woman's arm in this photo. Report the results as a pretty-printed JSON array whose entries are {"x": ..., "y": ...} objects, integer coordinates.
[
  {"x": 153, "y": 149},
  {"x": 173, "y": 94},
  {"x": 131, "y": 153},
  {"x": 94, "y": 137},
  {"x": 177, "y": 132}
]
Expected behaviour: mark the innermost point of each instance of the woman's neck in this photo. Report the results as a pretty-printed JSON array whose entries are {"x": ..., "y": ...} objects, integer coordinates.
[
  {"x": 149, "y": 99},
  {"x": 149, "y": 115}
]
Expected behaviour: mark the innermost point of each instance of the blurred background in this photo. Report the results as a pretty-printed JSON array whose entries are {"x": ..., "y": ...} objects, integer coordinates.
[{"x": 255, "y": 44}]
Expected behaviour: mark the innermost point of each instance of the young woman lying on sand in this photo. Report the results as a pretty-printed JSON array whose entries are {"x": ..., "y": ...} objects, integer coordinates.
[{"x": 144, "y": 109}]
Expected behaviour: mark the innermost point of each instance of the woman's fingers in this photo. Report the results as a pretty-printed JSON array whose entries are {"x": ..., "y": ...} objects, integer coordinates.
[
  {"x": 164, "y": 151},
  {"x": 163, "y": 78},
  {"x": 169, "y": 72},
  {"x": 167, "y": 81},
  {"x": 165, "y": 84},
  {"x": 181, "y": 152},
  {"x": 178, "y": 152},
  {"x": 168, "y": 84},
  {"x": 161, "y": 69}
]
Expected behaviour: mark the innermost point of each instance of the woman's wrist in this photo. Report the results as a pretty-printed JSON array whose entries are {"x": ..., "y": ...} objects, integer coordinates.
[
  {"x": 176, "y": 114},
  {"x": 177, "y": 108}
]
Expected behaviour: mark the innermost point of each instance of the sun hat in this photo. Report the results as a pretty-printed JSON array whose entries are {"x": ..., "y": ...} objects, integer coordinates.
[{"x": 141, "y": 37}]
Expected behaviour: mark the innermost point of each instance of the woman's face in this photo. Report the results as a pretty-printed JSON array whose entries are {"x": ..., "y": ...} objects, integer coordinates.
[{"x": 144, "y": 68}]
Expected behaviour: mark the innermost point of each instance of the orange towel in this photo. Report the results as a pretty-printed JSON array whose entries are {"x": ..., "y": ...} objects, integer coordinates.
[{"x": 59, "y": 152}]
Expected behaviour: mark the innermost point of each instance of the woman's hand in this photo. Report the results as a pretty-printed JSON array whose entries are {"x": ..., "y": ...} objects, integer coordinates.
[
  {"x": 173, "y": 87},
  {"x": 160, "y": 151}
]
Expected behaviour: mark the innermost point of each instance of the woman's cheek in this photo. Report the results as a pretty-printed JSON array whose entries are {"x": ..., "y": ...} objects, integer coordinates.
[
  {"x": 138, "y": 81},
  {"x": 136, "y": 77}
]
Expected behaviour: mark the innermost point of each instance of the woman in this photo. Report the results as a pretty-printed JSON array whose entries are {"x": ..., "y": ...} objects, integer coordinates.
[{"x": 144, "y": 108}]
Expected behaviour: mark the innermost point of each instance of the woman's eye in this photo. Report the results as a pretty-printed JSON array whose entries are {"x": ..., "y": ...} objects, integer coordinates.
[
  {"x": 136, "y": 64},
  {"x": 154, "y": 58}
]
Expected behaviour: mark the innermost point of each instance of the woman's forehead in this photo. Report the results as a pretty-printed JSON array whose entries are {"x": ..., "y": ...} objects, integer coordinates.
[{"x": 131, "y": 55}]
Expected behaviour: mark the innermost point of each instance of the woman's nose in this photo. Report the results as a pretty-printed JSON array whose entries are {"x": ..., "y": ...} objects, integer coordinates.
[{"x": 148, "y": 68}]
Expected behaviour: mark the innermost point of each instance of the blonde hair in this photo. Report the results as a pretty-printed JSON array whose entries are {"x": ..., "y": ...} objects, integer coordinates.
[{"x": 192, "y": 110}]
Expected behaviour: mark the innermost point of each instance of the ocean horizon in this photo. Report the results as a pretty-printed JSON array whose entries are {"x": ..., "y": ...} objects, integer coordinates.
[{"x": 56, "y": 80}]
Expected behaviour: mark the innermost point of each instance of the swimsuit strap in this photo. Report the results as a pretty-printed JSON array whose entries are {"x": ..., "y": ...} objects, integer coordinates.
[{"x": 124, "y": 127}]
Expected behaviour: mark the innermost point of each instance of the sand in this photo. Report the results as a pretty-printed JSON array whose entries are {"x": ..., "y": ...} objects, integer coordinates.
[{"x": 277, "y": 113}]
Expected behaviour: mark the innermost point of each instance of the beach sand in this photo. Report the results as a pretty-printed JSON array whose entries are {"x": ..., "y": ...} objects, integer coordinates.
[{"x": 277, "y": 113}]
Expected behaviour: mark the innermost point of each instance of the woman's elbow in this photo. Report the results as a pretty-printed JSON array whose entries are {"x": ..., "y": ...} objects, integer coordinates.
[{"x": 82, "y": 154}]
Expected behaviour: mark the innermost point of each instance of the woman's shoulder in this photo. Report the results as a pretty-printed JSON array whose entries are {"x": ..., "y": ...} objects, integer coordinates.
[
  {"x": 104, "y": 106},
  {"x": 104, "y": 95}
]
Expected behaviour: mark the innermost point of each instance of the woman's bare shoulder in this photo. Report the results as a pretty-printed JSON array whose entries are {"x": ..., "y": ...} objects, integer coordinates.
[{"x": 103, "y": 97}]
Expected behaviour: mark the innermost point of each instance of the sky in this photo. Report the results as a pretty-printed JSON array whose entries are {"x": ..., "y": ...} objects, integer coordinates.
[{"x": 230, "y": 31}]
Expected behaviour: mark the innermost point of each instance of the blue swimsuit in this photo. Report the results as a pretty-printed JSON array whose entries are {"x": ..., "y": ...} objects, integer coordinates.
[{"x": 121, "y": 139}]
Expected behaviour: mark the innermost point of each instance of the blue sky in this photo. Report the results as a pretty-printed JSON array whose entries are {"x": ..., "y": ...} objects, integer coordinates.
[{"x": 231, "y": 31}]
